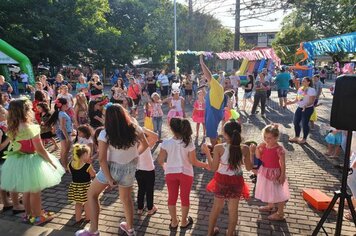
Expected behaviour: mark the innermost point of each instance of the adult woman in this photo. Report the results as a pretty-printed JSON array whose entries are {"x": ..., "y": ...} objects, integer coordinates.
[
  {"x": 261, "y": 88},
  {"x": 248, "y": 91},
  {"x": 150, "y": 83},
  {"x": 305, "y": 99},
  {"x": 82, "y": 86},
  {"x": 134, "y": 92},
  {"x": 118, "y": 91},
  {"x": 96, "y": 87},
  {"x": 58, "y": 83},
  {"x": 120, "y": 144}
]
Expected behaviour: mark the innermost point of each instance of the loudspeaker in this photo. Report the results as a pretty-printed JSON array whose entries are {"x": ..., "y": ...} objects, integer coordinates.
[{"x": 343, "y": 110}]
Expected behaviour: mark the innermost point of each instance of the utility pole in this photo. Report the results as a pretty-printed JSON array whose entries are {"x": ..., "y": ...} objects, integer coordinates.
[
  {"x": 190, "y": 18},
  {"x": 237, "y": 32}
]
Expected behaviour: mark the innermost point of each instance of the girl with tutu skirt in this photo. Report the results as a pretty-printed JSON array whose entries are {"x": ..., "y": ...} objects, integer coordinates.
[
  {"x": 333, "y": 140},
  {"x": 176, "y": 104},
  {"x": 82, "y": 172},
  {"x": 35, "y": 168},
  {"x": 199, "y": 112},
  {"x": 157, "y": 114},
  {"x": 228, "y": 182},
  {"x": 64, "y": 128},
  {"x": 272, "y": 185}
]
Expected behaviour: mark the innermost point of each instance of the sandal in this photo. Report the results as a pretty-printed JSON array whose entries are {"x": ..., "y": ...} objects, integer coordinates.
[
  {"x": 190, "y": 222},
  {"x": 39, "y": 220},
  {"x": 265, "y": 209},
  {"x": 129, "y": 232},
  {"x": 152, "y": 211},
  {"x": 276, "y": 217},
  {"x": 293, "y": 140}
]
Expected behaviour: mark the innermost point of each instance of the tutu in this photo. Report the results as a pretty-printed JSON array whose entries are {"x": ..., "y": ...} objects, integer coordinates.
[
  {"x": 198, "y": 116},
  {"x": 29, "y": 172},
  {"x": 334, "y": 139},
  {"x": 226, "y": 186},
  {"x": 173, "y": 114},
  {"x": 268, "y": 189}
]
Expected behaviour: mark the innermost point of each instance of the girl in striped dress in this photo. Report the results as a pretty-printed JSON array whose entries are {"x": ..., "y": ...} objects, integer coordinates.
[{"x": 82, "y": 172}]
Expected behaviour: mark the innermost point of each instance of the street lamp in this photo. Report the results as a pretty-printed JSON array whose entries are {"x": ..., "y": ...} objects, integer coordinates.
[{"x": 175, "y": 36}]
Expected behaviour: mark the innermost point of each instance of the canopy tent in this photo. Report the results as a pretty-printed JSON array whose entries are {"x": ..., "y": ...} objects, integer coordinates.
[{"x": 341, "y": 43}]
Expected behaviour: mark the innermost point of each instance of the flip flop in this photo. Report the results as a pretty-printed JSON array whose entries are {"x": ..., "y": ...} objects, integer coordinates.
[{"x": 190, "y": 222}]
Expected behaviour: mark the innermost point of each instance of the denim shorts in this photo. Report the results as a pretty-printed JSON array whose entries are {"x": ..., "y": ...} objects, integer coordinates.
[
  {"x": 61, "y": 136},
  {"x": 282, "y": 93},
  {"x": 123, "y": 174},
  {"x": 248, "y": 95}
]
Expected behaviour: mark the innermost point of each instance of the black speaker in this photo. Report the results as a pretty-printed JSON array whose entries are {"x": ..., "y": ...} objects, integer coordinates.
[{"x": 343, "y": 110}]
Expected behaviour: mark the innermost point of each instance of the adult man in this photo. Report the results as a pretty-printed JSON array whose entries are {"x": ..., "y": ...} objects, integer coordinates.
[
  {"x": 164, "y": 83},
  {"x": 282, "y": 82},
  {"x": 5, "y": 87},
  {"x": 268, "y": 78},
  {"x": 215, "y": 102},
  {"x": 24, "y": 79}
]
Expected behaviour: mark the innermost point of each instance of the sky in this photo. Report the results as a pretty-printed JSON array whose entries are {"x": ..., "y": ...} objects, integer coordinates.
[{"x": 222, "y": 11}]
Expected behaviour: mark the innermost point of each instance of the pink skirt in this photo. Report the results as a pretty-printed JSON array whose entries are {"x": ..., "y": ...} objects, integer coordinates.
[
  {"x": 173, "y": 114},
  {"x": 198, "y": 116},
  {"x": 267, "y": 187},
  {"x": 226, "y": 186}
]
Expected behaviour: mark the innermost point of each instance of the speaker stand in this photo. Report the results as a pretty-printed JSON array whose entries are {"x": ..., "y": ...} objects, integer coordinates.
[{"x": 342, "y": 194}]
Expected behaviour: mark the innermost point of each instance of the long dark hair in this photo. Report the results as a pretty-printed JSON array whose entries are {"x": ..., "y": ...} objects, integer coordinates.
[
  {"x": 57, "y": 108},
  {"x": 252, "y": 79},
  {"x": 182, "y": 129},
  {"x": 310, "y": 81},
  {"x": 233, "y": 130},
  {"x": 40, "y": 96},
  {"x": 120, "y": 131},
  {"x": 44, "y": 107}
]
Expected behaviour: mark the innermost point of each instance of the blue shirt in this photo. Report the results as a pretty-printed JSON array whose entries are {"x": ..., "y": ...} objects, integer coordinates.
[
  {"x": 282, "y": 80},
  {"x": 66, "y": 117}
]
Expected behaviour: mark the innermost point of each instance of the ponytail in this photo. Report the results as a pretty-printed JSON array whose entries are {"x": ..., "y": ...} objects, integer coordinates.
[
  {"x": 233, "y": 131},
  {"x": 182, "y": 129},
  {"x": 78, "y": 151}
]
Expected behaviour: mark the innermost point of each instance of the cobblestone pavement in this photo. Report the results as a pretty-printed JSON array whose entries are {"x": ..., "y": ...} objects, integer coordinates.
[{"x": 306, "y": 168}]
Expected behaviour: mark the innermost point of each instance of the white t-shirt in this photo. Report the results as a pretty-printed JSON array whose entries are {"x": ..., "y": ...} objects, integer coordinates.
[
  {"x": 177, "y": 158},
  {"x": 304, "y": 96},
  {"x": 145, "y": 161},
  {"x": 120, "y": 156}
]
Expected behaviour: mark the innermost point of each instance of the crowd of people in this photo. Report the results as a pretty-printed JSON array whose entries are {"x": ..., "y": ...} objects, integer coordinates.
[{"x": 105, "y": 129}]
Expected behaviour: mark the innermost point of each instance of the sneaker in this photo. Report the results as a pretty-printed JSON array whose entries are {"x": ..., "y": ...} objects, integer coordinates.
[
  {"x": 85, "y": 232},
  {"x": 129, "y": 232}
]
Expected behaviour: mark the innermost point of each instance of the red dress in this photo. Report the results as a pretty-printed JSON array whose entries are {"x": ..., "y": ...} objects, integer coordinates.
[
  {"x": 199, "y": 112},
  {"x": 37, "y": 113}
]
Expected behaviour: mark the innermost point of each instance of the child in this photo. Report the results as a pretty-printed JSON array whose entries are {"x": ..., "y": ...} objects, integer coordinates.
[
  {"x": 179, "y": 154},
  {"x": 230, "y": 105},
  {"x": 63, "y": 128},
  {"x": 148, "y": 123},
  {"x": 35, "y": 168},
  {"x": 248, "y": 91},
  {"x": 228, "y": 182},
  {"x": 199, "y": 112},
  {"x": 81, "y": 110},
  {"x": 176, "y": 105},
  {"x": 145, "y": 176},
  {"x": 157, "y": 114},
  {"x": 85, "y": 137},
  {"x": 333, "y": 139},
  {"x": 15, "y": 206},
  {"x": 69, "y": 97},
  {"x": 272, "y": 185},
  {"x": 46, "y": 130},
  {"x": 82, "y": 172},
  {"x": 120, "y": 144},
  {"x": 39, "y": 97}
]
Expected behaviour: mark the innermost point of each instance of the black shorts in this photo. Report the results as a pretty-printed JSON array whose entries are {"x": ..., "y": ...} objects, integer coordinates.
[
  {"x": 47, "y": 135},
  {"x": 164, "y": 91},
  {"x": 188, "y": 92}
]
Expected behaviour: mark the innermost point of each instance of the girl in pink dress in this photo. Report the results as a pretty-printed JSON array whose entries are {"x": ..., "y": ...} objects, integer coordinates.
[
  {"x": 272, "y": 185},
  {"x": 176, "y": 105},
  {"x": 199, "y": 112}
]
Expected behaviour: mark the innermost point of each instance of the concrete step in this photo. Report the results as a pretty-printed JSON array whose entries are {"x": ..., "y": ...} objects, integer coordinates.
[{"x": 19, "y": 229}]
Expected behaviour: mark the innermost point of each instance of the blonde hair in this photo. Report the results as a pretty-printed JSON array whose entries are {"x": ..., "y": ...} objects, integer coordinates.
[
  {"x": 271, "y": 129},
  {"x": 20, "y": 111},
  {"x": 78, "y": 151}
]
